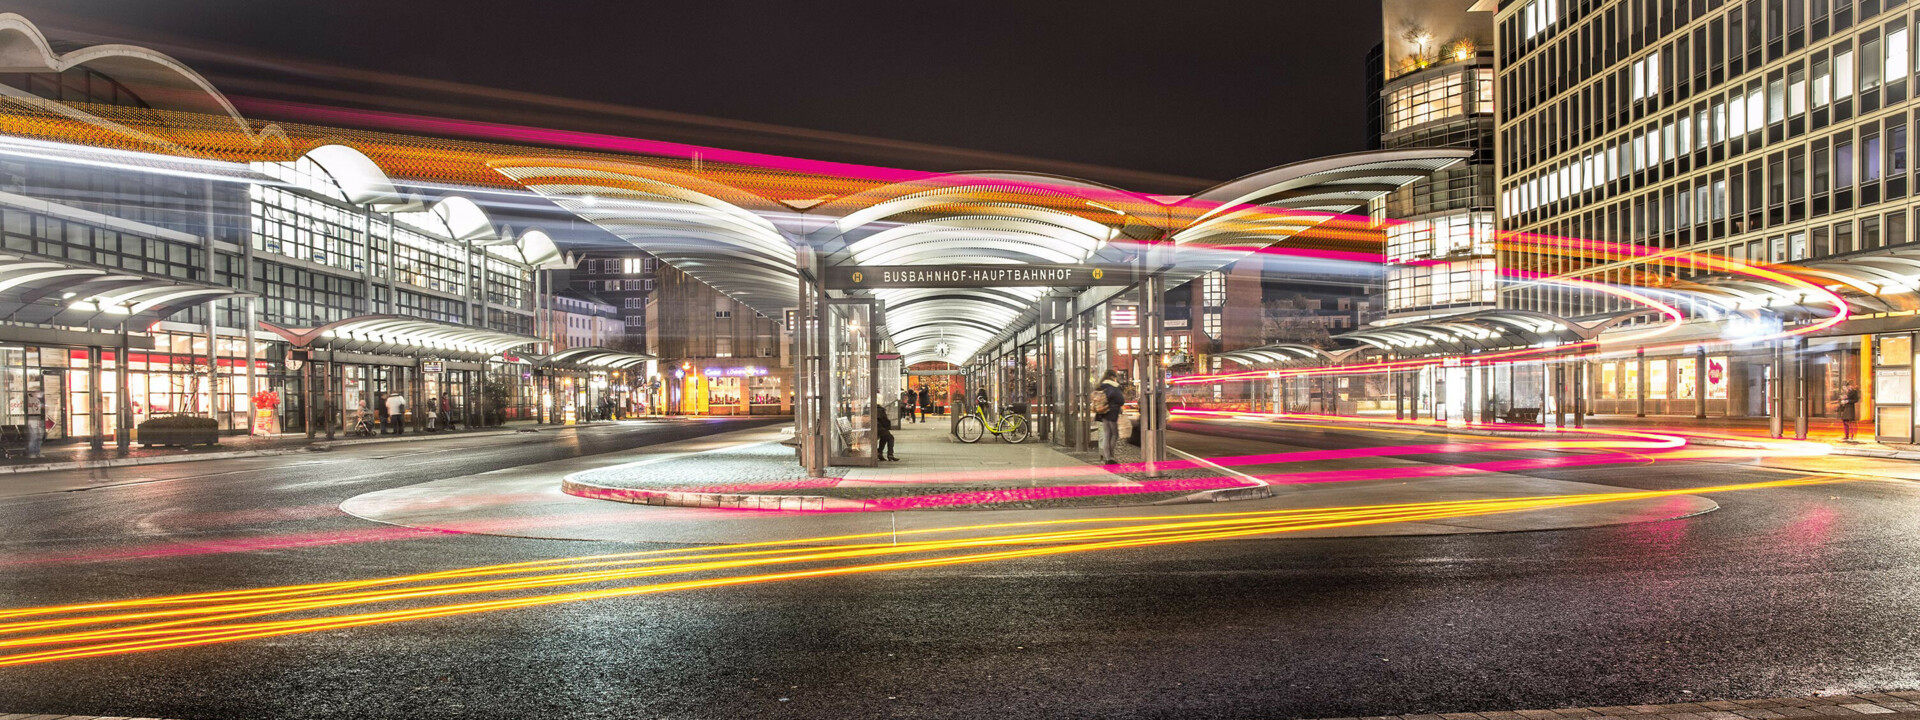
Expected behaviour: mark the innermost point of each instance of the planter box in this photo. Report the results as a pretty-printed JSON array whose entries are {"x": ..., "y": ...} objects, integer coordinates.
[{"x": 179, "y": 431}]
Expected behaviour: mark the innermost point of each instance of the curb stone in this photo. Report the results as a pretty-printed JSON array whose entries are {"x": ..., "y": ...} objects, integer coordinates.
[
  {"x": 316, "y": 446},
  {"x": 573, "y": 485}
]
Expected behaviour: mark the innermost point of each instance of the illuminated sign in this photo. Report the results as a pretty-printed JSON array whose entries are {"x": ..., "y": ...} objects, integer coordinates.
[
  {"x": 433, "y": 367},
  {"x": 748, "y": 371},
  {"x": 848, "y": 277}
]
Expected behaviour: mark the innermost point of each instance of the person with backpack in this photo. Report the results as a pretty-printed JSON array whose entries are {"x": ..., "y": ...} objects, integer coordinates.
[{"x": 1105, "y": 402}]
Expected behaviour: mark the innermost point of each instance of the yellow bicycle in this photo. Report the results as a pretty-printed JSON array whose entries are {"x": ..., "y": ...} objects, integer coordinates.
[{"x": 1011, "y": 428}]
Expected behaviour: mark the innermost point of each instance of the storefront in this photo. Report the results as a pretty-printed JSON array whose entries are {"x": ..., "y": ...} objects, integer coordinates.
[
  {"x": 727, "y": 387},
  {"x": 590, "y": 383},
  {"x": 940, "y": 380},
  {"x": 332, "y": 377}
]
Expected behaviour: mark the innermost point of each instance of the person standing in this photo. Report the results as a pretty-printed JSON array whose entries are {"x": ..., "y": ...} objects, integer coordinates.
[
  {"x": 1109, "y": 395},
  {"x": 380, "y": 411},
  {"x": 884, "y": 431},
  {"x": 1849, "y": 410},
  {"x": 397, "y": 413},
  {"x": 924, "y": 405},
  {"x": 906, "y": 406},
  {"x": 37, "y": 421}
]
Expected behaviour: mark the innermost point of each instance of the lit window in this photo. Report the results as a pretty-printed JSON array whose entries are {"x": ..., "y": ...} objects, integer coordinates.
[
  {"x": 1843, "y": 75},
  {"x": 1896, "y": 58}
]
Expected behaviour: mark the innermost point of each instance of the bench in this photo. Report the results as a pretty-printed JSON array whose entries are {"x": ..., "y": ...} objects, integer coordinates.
[{"x": 1521, "y": 415}]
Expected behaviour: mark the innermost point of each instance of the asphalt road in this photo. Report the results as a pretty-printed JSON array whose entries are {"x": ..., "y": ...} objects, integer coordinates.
[{"x": 1781, "y": 592}]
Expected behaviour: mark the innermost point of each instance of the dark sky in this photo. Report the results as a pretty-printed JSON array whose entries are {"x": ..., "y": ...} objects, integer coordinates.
[{"x": 1196, "y": 89}]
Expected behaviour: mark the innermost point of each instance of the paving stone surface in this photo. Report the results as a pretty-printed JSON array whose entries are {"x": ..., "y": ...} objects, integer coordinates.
[{"x": 1883, "y": 706}]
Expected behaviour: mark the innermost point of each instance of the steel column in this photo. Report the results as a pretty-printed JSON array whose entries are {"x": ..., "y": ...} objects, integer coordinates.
[
  {"x": 1640, "y": 382},
  {"x": 1700, "y": 382},
  {"x": 1801, "y": 398},
  {"x": 124, "y": 411},
  {"x": 96, "y": 398},
  {"x": 253, "y": 370},
  {"x": 1776, "y": 422}
]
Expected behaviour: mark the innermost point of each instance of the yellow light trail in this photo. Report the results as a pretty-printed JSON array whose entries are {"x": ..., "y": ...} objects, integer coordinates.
[{"x": 208, "y": 618}]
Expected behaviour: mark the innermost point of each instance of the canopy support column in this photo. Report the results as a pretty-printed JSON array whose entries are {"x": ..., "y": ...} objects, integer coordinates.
[
  {"x": 1640, "y": 382},
  {"x": 253, "y": 373},
  {"x": 306, "y": 395},
  {"x": 1082, "y": 415},
  {"x": 1802, "y": 407},
  {"x": 1581, "y": 368},
  {"x": 1700, "y": 382},
  {"x": 1153, "y": 387},
  {"x": 809, "y": 411},
  {"x": 124, "y": 412},
  {"x": 213, "y": 360},
  {"x": 1776, "y": 420},
  {"x": 96, "y": 400},
  {"x": 336, "y": 395}
]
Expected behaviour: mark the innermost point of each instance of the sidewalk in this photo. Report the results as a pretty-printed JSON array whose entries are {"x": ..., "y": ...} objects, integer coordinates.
[
  {"x": 80, "y": 456},
  {"x": 933, "y": 470}
]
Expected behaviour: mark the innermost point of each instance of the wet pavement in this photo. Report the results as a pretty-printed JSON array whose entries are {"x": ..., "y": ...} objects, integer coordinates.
[{"x": 1787, "y": 591}]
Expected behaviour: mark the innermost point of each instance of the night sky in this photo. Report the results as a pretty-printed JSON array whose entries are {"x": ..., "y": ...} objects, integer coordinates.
[{"x": 1206, "y": 91}]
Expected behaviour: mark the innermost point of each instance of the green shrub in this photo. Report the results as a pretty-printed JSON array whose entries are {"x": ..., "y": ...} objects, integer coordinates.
[{"x": 181, "y": 422}]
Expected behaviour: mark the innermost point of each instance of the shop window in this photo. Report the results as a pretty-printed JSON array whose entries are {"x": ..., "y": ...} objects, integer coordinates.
[
  {"x": 1685, "y": 378},
  {"x": 1657, "y": 379},
  {"x": 1716, "y": 377}
]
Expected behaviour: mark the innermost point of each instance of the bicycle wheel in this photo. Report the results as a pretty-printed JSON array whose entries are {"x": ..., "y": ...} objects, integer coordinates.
[
  {"x": 971, "y": 429},
  {"x": 1014, "y": 428}
]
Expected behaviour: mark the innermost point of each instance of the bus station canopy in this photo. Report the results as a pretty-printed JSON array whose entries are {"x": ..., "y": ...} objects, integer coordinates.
[{"x": 748, "y": 246}]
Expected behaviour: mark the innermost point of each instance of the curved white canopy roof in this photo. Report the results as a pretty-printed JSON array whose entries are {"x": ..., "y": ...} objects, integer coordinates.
[
  {"x": 596, "y": 358},
  {"x": 404, "y": 335},
  {"x": 742, "y": 244},
  {"x": 43, "y": 291},
  {"x": 160, "y": 81}
]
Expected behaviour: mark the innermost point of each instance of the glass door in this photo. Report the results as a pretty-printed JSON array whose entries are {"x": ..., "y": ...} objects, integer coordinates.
[
  {"x": 1893, "y": 388},
  {"x": 850, "y": 391}
]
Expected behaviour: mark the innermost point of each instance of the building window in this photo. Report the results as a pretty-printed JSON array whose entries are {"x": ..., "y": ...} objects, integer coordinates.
[
  {"x": 1426, "y": 101},
  {"x": 723, "y": 314}
]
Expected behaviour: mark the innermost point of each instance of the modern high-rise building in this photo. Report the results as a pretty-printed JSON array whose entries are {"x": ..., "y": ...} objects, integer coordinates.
[
  {"x": 1765, "y": 132},
  {"x": 1437, "y": 91}
]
